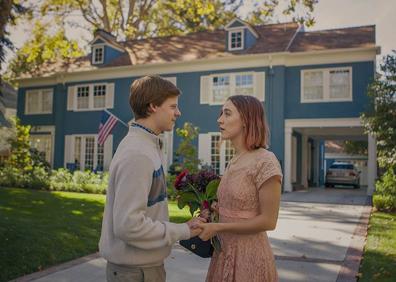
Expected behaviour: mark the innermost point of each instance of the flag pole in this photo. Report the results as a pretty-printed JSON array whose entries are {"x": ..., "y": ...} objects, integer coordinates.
[{"x": 116, "y": 118}]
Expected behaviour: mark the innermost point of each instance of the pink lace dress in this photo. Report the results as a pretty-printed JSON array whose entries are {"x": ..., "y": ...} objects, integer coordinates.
[{"x": 244, "y": 258}]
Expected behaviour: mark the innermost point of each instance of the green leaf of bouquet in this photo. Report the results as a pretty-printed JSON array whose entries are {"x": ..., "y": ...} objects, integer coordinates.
[
  {"x": 193, "y": 207},
  {"x": 185, "y": 198},
  {"x": 211, "y": 189}
]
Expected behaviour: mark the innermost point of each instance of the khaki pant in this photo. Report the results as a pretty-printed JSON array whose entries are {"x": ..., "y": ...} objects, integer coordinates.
[{"x": 119, "y": 273}]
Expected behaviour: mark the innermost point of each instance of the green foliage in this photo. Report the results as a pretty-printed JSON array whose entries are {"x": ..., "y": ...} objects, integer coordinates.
[
  {"x": 356, "y": 147},
  {"x": 384, "y": 198},
  {"x": 42, "y": 48},
  {"x": 380, "y": 120},
  {"x": 20, "y": 149},
  {"x": 139, "y": 19},
  {"x": 380, "y": 250},
  {"x": 170, "y": 190},
  {"x": 78, "y": 181},
  {"x": 187, "y": 151}
]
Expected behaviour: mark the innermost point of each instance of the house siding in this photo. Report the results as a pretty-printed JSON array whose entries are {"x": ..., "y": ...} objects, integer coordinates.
[
  {"x": 282, "y": 100},
  {"x": 362, "y": 75}
]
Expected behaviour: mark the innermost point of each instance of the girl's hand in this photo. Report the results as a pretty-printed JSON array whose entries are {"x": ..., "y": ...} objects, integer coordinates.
[{"x": 208, "y": 230}]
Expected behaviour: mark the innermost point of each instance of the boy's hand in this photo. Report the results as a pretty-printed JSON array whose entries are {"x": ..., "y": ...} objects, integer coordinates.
[{"x": 193, "y": 225}]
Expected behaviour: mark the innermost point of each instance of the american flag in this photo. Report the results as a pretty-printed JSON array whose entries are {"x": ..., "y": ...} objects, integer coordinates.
[{"x": 107, "y": 122}]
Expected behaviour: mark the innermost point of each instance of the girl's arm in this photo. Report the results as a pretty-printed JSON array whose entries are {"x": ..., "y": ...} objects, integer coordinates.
[{"x": 269, "y": 197}]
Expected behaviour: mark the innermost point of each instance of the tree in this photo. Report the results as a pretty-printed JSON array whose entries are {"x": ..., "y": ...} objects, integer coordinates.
[
  {"x": 42, "y": 48},
  {"x": 20, "y": 157},
  {"x": 356, "y": 147},
  {"x": 186, "y": 151},
  {"x": 137, "y": 19},
  {"x": 9, "y": 10},
  {"x": 380, "y": 120}
]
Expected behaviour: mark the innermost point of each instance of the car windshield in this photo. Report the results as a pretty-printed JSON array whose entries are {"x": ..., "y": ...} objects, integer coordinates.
[{"x": 342, "y": 166}]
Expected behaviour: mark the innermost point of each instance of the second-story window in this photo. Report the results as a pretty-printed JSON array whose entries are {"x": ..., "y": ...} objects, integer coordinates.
[
  {"x": 38, "y": 101},
  {"x": 97, "y": 55},
  {"x": 326, "y": 85},
  {"x": 91, "y": 97}
]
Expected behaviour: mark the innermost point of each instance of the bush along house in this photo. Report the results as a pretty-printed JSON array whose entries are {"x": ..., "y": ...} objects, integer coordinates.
[{"x": 312, "y": 84}]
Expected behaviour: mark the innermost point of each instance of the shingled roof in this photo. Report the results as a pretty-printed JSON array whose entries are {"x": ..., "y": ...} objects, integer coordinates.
[{"x": 283, "y": 37}]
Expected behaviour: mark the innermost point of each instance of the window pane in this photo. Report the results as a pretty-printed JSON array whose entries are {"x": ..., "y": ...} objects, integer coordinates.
[
  {"x": 100, "y": 157},
  {"x": 99, "y": 93},
  {"x": 236, "y": 39},
  {"x": 77, "y": 152},
  {"x": 221, "y": 88},
  {"x": 89, "y": 153},
  {"x": 313, "y": 85},
  {"x": 339, "y": 84},
  {"x": 215, "y": 153},
  {"x": 98, "y": 54},
  {"x": 83, "y": 97},
  {"x": 43, "y": 144},
  {"x": 33, "y": 103},
  {"x": 47, "y": 101},
  {"x": 244, "y": 84},
  {"x": 229, "y": 152}
]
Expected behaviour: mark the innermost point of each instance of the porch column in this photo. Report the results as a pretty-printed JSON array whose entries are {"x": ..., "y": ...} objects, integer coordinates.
[
  {"x": 288, "y": 162},
  {"x": 304, "y": 161},
  {"x": 372, "y": 164}
]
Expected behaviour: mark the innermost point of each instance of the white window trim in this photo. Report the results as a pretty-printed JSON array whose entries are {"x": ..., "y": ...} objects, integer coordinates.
[
  {"x": 41, "y": 130},
  {"x": 94, "y": 48},
  {"x": 232, "y": 84},
  {"x": 236, "y": 30},
  {"x": 326, "y": 86},
  {"x": 222, "y": 152},
  {"x": 40, "y": 100},
  {"x": 83, "y": 149},
  {"x": 90, "y": 97}
]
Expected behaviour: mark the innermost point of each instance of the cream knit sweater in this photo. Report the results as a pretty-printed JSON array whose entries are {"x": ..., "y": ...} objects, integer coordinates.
[{"x": 136, "y": 230}]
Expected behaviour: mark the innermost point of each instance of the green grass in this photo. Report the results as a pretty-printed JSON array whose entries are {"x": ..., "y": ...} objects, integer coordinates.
[
  {"x": 379, "y": 259},
  {"x": 39, "y": 229}
]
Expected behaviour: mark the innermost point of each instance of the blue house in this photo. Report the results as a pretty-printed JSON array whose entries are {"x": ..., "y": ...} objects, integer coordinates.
[{"x": 312, "y": 84}]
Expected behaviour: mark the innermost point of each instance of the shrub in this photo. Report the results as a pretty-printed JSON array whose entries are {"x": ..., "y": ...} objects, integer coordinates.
[{"x": 384, "y": 198}]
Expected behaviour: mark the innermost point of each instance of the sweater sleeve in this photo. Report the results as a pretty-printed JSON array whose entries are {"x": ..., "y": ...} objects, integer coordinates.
[{"x": 132, "y": 185}]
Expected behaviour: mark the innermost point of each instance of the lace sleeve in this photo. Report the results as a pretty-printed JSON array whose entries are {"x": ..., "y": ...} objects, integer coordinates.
[{"x": 265, "y": 168}]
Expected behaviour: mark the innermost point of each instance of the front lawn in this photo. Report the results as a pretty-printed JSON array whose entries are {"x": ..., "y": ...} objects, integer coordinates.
[
  {"x": 39, "y": 229},
  {"x": 379, "y": 259}
]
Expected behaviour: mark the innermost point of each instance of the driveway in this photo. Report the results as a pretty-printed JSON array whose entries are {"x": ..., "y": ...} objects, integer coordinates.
[{"x": 319, "y": 237}]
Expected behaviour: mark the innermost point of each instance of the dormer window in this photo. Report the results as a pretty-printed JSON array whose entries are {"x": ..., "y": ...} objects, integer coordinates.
[
  {"x": 98, "y": 54},
  {"x": 235, "y": 40}
]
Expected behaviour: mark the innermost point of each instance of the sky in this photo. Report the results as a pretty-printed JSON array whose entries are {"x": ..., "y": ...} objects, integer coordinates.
[{"x": 329, "y": 14}]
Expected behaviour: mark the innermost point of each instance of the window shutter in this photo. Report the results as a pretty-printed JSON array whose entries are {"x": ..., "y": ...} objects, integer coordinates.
[
  {"x": 204, "y": 143},
  {"x": 70, "y": 97},
  {"x": 69, "y": 149},
  {"x": 205, "y": 89},
  {"x": 110, "y": 95},
  {"x": 259, "y": 80},
  {"x": 108, "y": 152}
]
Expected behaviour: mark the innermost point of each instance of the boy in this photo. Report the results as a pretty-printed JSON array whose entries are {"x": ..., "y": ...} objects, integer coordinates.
[{"x": 136, "y": 233}]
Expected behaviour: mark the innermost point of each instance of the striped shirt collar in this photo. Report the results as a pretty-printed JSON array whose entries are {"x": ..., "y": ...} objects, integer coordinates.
[{"x": 134, "y": 124}]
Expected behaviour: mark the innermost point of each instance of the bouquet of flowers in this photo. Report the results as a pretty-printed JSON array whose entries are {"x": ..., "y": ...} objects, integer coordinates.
[{"x": 198, "y": 191}]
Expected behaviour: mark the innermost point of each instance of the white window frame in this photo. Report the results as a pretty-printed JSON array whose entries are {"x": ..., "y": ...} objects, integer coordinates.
[
  {"x": 94, "y": 49},
  {"x": 326, "y": 86},
  {"x": 90, "y": 97},
  {"x": 222, "y": 152},
  {"x": 233, "y": 31},
  {"x": 232, "y": 79},
  {"x": 83, "y": 150},
  {"x": 40, "y": 95}
]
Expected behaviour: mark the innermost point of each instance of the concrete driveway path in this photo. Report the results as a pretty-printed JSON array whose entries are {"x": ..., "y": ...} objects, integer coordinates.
[{"x": 319, "y": 237}]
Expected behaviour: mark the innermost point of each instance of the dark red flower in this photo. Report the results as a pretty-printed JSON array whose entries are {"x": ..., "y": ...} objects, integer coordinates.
[{"x": 180, "y": 179}]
